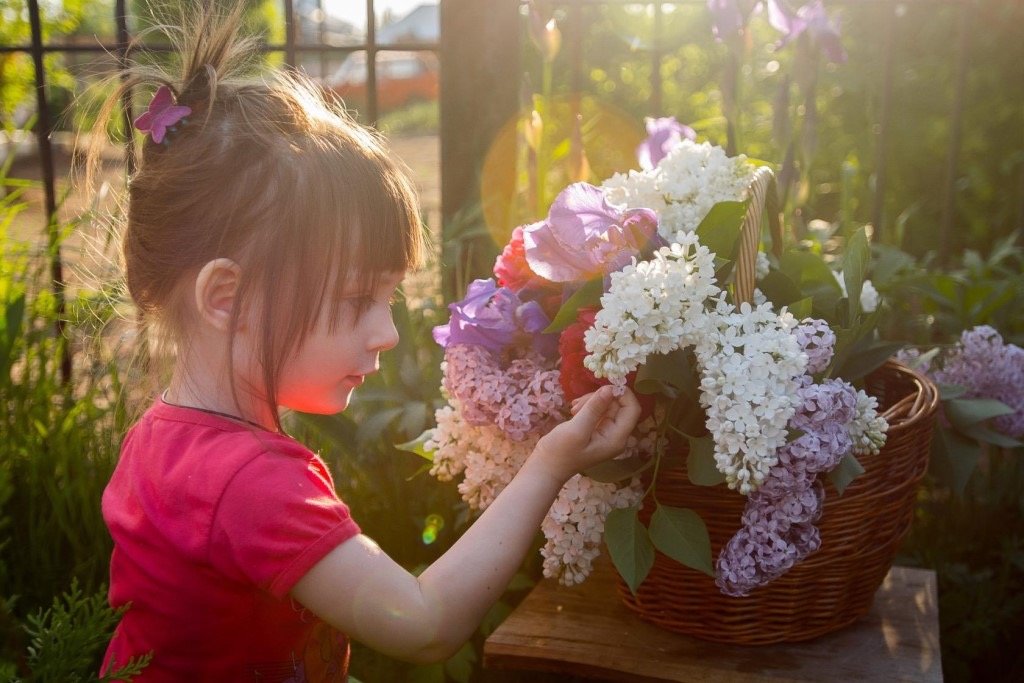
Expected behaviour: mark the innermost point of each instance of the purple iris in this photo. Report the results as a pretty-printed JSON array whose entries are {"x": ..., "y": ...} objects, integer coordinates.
[
  {"x": 586, "y": 237},
  {"x": 811, "y": 18},
  {"x": 662, "y": 135},
  {"x": 495, "y": 318},
  {"x": 730, "y": 16}
]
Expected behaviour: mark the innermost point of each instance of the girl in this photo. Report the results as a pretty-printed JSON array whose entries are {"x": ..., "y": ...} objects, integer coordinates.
[{"x": 266, "y": 233}]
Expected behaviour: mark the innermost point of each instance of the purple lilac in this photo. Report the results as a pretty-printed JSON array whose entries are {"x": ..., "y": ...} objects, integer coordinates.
[
  {"x": 818, "y": 341},
  {"x": 519, "y": 398},
  {"x": 989, "y": 368},
  {"x": 495, "y": 318},
  {"x": 778, "y": 524}
]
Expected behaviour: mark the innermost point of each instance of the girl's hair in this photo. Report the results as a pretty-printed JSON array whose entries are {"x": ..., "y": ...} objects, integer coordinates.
[{"x": 268, "y": 172}]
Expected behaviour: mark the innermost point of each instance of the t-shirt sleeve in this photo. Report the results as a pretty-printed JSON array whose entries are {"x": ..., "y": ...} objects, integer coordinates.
[{"x": 278, "y": 516}]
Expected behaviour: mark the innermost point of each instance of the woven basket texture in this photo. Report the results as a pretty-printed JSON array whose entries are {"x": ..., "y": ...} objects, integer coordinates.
[{"x": 861, "y": 531}]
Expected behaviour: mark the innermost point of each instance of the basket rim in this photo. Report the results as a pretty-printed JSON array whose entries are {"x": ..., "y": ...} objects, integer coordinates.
[{"x": 926, "y": 403}]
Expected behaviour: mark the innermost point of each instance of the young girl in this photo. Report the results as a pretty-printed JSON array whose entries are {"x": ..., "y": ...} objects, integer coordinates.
[{"x": 266, "y": 233}]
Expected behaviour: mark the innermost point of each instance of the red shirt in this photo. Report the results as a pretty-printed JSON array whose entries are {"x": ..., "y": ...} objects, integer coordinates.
[{"x": 213, "y": 523}]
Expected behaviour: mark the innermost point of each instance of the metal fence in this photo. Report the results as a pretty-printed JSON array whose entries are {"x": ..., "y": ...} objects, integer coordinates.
[
  {"x": 122, "y": 48},
  {"x": 481, "y": 48}
]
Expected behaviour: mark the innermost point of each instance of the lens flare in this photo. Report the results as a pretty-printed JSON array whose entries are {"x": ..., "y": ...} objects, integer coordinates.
[{"x": 431, "y": 526}]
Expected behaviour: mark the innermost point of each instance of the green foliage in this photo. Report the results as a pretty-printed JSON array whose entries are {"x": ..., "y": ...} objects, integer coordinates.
[
  {"x": 65, "y": 637},
  {"x": 629, "y": 546},
  {"x": 420, "y": 118}
]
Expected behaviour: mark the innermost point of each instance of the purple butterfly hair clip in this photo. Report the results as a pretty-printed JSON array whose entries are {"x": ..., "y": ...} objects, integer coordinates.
[{"x": 163, "y": 115}]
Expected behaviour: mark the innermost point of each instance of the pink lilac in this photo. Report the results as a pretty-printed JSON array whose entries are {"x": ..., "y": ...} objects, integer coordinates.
[
  {"x": 988, "y": 368},
  {"x": 518, "y": 397},
  {"x": 778, "y": 523},
  {"x": 818, "y": 341}
]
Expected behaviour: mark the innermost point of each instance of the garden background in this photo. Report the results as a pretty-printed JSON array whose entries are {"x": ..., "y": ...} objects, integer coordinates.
[{"x": 918, "y": 134}]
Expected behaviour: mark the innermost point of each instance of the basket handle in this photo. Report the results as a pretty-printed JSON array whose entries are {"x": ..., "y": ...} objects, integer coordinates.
[{"x": 764, "y": 199}]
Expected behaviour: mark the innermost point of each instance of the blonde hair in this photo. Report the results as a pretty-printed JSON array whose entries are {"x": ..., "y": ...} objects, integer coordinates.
[{"x": 268, "y": 172}]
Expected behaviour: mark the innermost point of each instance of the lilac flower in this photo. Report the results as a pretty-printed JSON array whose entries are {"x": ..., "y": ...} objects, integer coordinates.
[
  {"x": 662, "y": 135},
  {"x": 988, "y": 368},
  {"x": 495, "y": 318},
  {"x": 817, "y": 340},
  {"x": 585, "y": 237},
  {"x": 811, "y": 18}
]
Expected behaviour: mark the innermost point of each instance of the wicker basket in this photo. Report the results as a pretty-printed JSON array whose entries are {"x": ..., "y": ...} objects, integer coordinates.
[{"x": 860, "y": 533}]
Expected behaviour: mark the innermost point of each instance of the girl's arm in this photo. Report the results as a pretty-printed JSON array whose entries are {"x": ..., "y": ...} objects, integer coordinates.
[{"x": 362, "y": 592}]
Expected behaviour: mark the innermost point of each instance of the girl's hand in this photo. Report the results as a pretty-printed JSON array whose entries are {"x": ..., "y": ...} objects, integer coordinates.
[{"x": 597, "y": 431}]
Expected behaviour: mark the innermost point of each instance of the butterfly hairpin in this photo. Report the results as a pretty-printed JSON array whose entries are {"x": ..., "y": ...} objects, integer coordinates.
[{"x": 163, "y": 115}]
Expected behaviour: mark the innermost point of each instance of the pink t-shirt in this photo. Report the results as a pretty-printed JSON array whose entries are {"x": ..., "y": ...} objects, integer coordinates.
[{"x": 213, "y": 523}]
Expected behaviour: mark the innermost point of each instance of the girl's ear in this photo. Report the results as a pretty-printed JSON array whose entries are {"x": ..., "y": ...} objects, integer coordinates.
[{"x": 216, "y": 287}]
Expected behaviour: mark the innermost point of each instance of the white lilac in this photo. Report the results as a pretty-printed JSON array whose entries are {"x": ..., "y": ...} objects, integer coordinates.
[
  {"x": 868, "y": 429},
  {"x": 574, "y": 525},
  {"x": 684, "y": 185},
  {"x": 868, "y": 293},
  {"x": 750, "y": 365},
  {"x": 654, "y": 306}
]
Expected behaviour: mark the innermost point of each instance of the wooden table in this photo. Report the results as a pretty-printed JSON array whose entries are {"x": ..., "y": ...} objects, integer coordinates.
[{"x": 587, "y": 632}]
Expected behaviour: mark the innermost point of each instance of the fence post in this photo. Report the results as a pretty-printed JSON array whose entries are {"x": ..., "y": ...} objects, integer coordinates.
[
  {"x": 480, "y": 76},
  {"x": 44, "y": 127}
]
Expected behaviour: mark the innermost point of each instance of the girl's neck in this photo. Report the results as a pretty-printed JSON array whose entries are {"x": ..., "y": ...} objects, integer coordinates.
[{"x": 202, "y": 382}]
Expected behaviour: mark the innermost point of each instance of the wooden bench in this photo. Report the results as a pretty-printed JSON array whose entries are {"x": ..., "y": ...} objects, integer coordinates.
[{"x": 586, "y": 633}]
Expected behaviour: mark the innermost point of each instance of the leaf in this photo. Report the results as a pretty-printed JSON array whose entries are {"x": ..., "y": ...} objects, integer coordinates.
[
  {"x": 673, "y": 369},
  {"x": 681, "y": 534},
  {"x": 981, "y": 433},
  {"x": 780, "y": 289},
  {"x": 721, "y": 227},
  {"x": 612, "y": 471},
  {"x": 629, "y": 545},
  {"x": 418, "y": 444},
  {"x": 855, "y": 267},
  {"x": 804, "y": 267},
  {"x": 848, "y": 469},
  {"x": 700, "y": 463},
  {"x": 460, "y": 666},
  {"x": 964, "y": 412},
  {"x": 862, "y": 362},
  {"x": 372, "y": 427},
  {"x": 802, "y": 308},
  {"x": 950, "y": 391},
  {"x": 959, "y": 455},
  {"x": 587, "y": 295}
]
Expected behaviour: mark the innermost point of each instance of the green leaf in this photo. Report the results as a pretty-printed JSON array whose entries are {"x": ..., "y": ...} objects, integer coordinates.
[
  {"x": 586, "y": 296},
  {"x": 612, "y": 471},
  {"x": 721, "y": 227},
  {"x": 780, "y": 289},
  {"x": 964, "y": 412},
  {"x": 959, "y": 455},
  {"x": 418, "y": 445},
  {"x": 855, "y": 267},
  {"x": 804, "y": 267},
  {"x": 848, "y": 469},
  {"x": 681, "y": 534},
  {"x": 982, "y": 433},
  {"x": 629, "y": 546},
  {"x": 673, "y": 369},
  {"x": 700, "y": 463},
  {"x": 950, "y": 391},
  {"x": 460, "y": 666},
  {"x": 802, "y": 308},
  {"x": 862, "y": 361}
]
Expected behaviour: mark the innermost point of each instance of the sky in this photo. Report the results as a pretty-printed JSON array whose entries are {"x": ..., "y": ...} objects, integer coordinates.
[{"x": 354, "y": 11}]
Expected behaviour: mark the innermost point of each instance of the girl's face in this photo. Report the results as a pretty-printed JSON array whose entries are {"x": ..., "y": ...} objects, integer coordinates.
[{"x": 320, "y": 376}]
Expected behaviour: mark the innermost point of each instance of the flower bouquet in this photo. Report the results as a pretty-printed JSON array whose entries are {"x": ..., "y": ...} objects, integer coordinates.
[{"x": 762, "y": 383}]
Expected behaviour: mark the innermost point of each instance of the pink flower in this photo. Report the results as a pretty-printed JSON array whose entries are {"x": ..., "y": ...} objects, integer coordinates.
[
  {"x": 162, "y": 114},
  {"x": 662, "y": 135},
  {"x": 512, "y": 269}
]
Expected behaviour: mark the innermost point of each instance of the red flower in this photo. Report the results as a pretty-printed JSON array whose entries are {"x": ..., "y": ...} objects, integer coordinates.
[
  {"x": 576, "y": 379},
  {"x": 513, "y": 271}
]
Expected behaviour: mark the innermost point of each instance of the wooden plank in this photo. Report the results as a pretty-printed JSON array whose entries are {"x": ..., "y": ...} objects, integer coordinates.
[{"x": 587, "y": 631}]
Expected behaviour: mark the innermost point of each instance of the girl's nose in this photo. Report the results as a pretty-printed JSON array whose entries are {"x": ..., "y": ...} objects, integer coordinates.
[{"x": 386, "y": 336}]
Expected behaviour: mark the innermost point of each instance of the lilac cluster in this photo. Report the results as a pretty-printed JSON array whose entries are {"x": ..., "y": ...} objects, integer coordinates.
[
  {"x": 988, "y": 368},
  {"x": 517, "y": 398},
  {"x": 778, "y": 524},
  {"x": 817, "y": 340}
]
